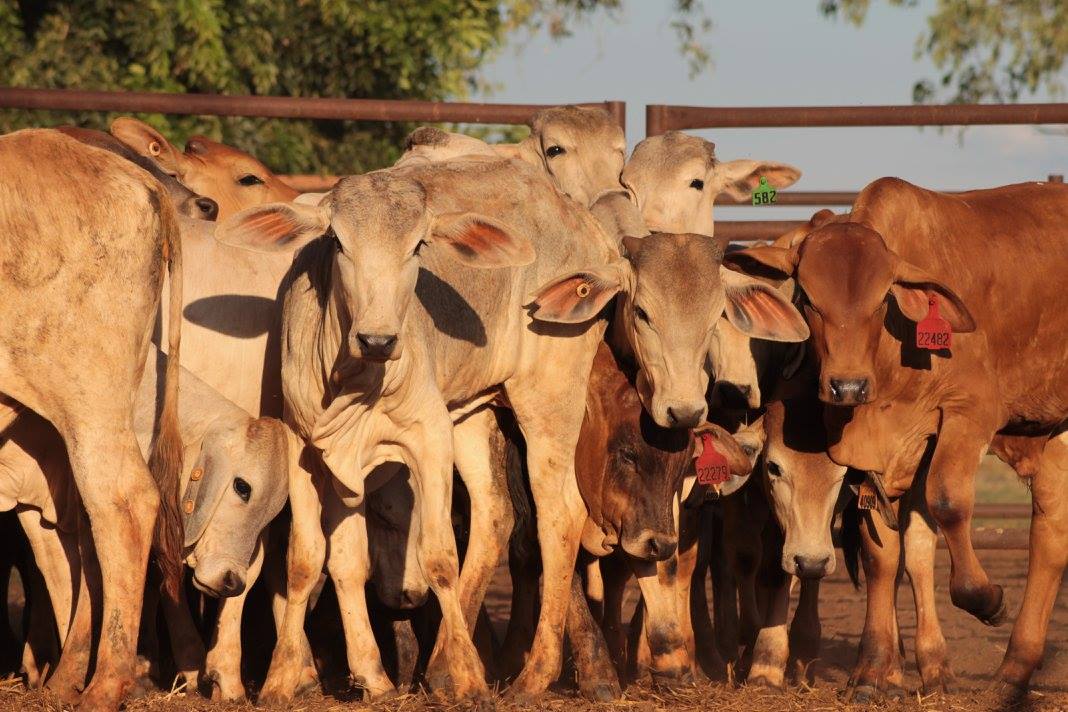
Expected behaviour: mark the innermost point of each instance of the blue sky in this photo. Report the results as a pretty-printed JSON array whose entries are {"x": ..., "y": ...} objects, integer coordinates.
[{"x": 775, "y": 53}]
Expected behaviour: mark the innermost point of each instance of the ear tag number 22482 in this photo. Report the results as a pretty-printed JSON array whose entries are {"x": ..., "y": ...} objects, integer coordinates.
[
  {"x": 764, "y": 194},
  {"x": 934, "y": 332},
  {"x": 712, "y": 467}
]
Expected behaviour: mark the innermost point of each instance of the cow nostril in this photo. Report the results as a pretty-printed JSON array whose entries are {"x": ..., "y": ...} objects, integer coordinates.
[
  {"x": 232, "y": 584},
  {"x": 836, "y": 391},
  {"x": 661, "y": 547},
  {"x": 377, "y": 344},
  {"x": 683, "y": 416},
  {"x": 811, "y": 567},
  {"x": 208, "y": 208}
]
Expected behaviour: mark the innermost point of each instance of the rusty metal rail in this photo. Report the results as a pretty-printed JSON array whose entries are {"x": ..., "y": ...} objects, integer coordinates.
[
  {"x": 660, "y": 118},
  {"x": 284, "y": 107}
]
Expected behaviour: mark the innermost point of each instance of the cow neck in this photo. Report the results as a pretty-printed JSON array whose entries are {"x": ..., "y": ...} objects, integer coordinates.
[{"x": 619, "y": 341}]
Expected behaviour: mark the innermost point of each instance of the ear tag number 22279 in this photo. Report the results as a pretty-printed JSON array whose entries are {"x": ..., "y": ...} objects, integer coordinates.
[
  {"x": 712, "y": 467},
  {"x": 934, "y": 332},
  {"x": 764, "y": 194}
]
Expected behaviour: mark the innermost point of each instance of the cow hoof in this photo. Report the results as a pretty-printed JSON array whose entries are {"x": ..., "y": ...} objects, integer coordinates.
[
  {"x": 762, "y": 681},
  {"x": 672, "y": 680},
  {"x": 936, "y": 681},
  {"x": 1006, "y": 694},
  {"x": 601, "y": 691},
  {"x": 863, "y": 694},
  {"x": 103, "y": 695},
  {"x": 998, "y": 617}
]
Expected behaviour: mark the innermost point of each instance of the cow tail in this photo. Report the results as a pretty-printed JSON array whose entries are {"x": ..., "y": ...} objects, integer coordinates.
[{"x": 165, "y": 461}]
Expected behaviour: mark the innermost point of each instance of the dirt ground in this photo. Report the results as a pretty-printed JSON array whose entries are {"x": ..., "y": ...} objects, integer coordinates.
[{"x": 975, "y": 651}]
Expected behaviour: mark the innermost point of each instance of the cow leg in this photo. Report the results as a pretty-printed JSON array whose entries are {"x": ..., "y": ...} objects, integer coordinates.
[
  {"x": 480, "y": 455},
  {"x": 523, "y": 567},
  {"x": 68, "y": 679},
  {"x": 121, "y": 500},
  {"x": 615, "y": 573},
  {"x": 706, "y": 649},
  {"x": 921, "y": 541},
  {"x": 878, "y": 666},
  {"x": 223, "y": 663},
  {"x": 806, "y": 631},
  {"x": 724, "y": 592},
  {"x": 550, "y": 417},
  {"x": 1048, "y": 556},
  {"x": 349, "y": 564},
  {"x": 48, "y": 593},
  {"x": 597, "y": 678},
  {"x": 669, "y": 663},
  {"x": 304, "y": 564},
  {"x": 689, "y": 523},
  {"x": 186, "y": 643},
  {"x": 771, "y": 648},
  {"x": 431, "y": 462},
  {"x": 950, "y": 494}
]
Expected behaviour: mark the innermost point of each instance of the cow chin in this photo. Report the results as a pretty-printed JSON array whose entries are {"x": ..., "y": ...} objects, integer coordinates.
[{"x": 219, "y": 578}]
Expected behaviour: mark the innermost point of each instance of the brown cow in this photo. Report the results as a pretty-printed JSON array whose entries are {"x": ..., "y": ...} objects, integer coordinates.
[
  {"x": 232, "y": 178},
  {"x": 989, "y": 261},
  {"x": 76, "y": 267}
]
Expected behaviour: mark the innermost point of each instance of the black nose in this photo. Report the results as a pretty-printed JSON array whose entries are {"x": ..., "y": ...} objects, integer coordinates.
[
  {"x": 660, "y": 547},
  {"x": 209, "y": 209},
  {"x": 377, "y": 346},
  {"x": 811, "y": 567},
  {"x": 232, "y": 584},
  {"x": 412, "y": 598},
  {"x": 849, "y": 390},
  {"x": 685, "y": 416}
]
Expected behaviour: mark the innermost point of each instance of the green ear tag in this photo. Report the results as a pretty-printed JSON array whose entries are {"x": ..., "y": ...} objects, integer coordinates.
[{"x": 764, "y": 193}]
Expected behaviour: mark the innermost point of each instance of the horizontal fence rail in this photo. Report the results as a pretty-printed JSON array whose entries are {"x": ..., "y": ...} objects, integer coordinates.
[
  {"x": 282, "y": 107},
  {"x": 660, "y": 118}
]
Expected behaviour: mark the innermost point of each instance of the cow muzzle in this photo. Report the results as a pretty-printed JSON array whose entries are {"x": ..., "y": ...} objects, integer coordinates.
[
  {"x": 847, "y": 391},
  {"x": 377, "y": 347},
  {"x": 651, "y": 546},
  {"x": 225, "y": 582},
  {"x": 682, "y": 414}
]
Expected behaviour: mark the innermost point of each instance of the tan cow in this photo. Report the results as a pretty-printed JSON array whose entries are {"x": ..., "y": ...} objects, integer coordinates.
[
  {"x": 232, "y": 178},
  {"x": 77, "y": 267},
  {"x": 869, "y": 281}
]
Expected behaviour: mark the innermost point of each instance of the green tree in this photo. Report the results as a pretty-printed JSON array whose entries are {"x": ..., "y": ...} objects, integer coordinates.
[
  {"x": 387, "y": 49},
  {"x": 984, "y": 50}
]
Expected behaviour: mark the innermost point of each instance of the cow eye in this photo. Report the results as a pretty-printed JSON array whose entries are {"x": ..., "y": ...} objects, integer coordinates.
[
  {"x": 243, "y": 489},
  {"x": 641, "y": 314},
  {"x": 774, "y": 470},
  {"x": 697, "y": 184},
  {"x": 250, "y": 179},
  {"x": 554, "y": 151}
]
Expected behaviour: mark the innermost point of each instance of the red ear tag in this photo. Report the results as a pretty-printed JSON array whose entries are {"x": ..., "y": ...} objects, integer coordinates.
[
  {"x": 934, "y": 332},
  {"x": 866, "y": 496},
  {"x": 712, "y": 467}
]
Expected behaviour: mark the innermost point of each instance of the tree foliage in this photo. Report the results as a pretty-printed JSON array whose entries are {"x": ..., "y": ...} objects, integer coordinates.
[
  {"x": 984, "y": 50},
  {"x": 387, "y": 49}
]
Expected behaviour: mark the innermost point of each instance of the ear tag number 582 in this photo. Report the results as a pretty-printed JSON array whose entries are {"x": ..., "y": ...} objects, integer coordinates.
[{"x": 764, "y": 194}]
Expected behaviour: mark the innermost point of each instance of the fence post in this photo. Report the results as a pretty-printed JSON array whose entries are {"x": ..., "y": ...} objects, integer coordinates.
[
  {"x": 654, "y": 119},
  {"x": 1056, "y": 178},
  {"x": 618, "y": 110}
]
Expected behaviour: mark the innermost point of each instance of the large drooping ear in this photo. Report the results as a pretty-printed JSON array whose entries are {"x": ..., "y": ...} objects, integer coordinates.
[
  {"x": 149, "y": 143},
  {"x": 725, "y": 444},
  {"x": 913, "y": 287},
  {"x": 761, "y": 312},
  {"x": 579, "y": 296},
  {"x": 480, "y": 241},
  {"x": 274, "y": 226},
  {"x": 739, "y": 179},
  {"x": 763, "y": 261}
]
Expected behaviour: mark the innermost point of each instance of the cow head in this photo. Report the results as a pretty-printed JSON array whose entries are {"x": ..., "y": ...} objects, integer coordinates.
[
  {"x": 429, "y": 144},
  {"x": 380, "y": 226},
  {"x": 803, "y": 485},
  {"x": 241, "y": 483},
  {"x": 393, "y": 543},
  {"x": 852, "y": 281},
  {"x": 671, "y": 300},
  {"x": 676, "y": 178},
  {"x": 582, "y": 150},
  {"x": 232, "y": 178}
]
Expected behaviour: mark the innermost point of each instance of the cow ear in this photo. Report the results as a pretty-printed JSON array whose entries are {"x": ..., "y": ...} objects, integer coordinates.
[
  {"x": 479, "y": 241},
  {"x": 739, "y": 179},
  {"x": 726, "y": 445},
  {"x": 762, "y": 312},
  {"x": 763, "y": 261},
  {"x": 148, "y": 142},
  {"x": 274, "y": 226},
  {"x": 579, "y": 296},
  {"x": 913, "y": 287}
]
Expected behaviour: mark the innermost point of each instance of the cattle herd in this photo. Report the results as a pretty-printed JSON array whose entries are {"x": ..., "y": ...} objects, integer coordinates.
[{"x": 536, "y": 351}]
